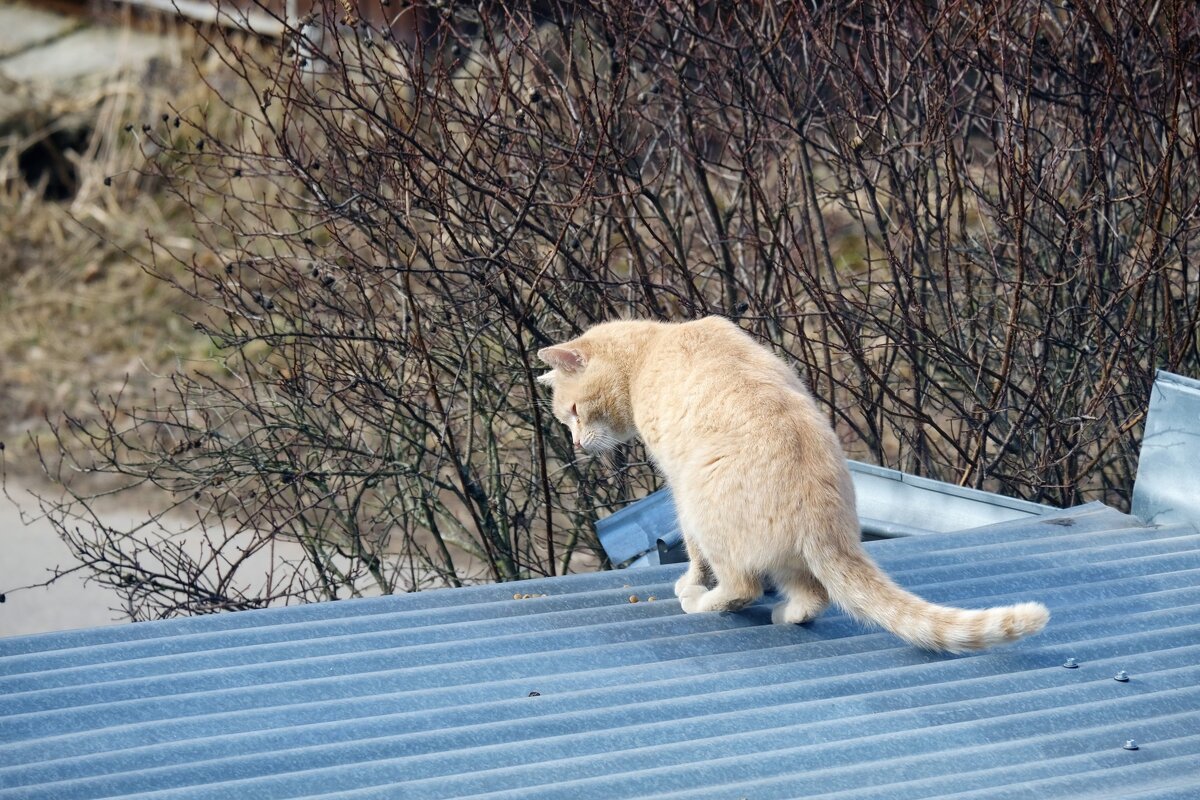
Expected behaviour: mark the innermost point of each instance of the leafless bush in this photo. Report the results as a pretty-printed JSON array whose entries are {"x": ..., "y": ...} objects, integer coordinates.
[{"x": 971, "y": 226}]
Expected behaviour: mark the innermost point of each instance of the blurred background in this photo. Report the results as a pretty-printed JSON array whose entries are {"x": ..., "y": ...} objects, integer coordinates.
[
  {"x": 77, "y": 314},
  {"x": 273, "y": 275}
]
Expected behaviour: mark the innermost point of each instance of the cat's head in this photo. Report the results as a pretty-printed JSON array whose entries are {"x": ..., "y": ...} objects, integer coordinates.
[{"x": 591, "y": 394}]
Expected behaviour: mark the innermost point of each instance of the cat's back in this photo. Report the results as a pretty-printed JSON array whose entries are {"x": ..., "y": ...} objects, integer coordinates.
[
  {"x": 711, "y": 394},
  {"x": 709, "y": 375},
  {"x": 715, "y": 351}
]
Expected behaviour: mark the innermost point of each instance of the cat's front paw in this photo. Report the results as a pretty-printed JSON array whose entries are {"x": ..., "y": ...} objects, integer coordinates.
[
  {"x": 683, "y": 584},
  {"x": 689, "y": 598}
]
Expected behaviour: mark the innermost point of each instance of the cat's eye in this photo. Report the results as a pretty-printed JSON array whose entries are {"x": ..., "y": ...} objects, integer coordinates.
[{"x": 574, "y": 410}]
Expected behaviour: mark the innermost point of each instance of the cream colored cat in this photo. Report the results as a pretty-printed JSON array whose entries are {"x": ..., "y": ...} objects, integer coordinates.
[{"x": 761, "y": 485}]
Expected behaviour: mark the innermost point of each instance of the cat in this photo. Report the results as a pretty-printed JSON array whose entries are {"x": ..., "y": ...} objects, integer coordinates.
[{"x": 761, "y": 485}]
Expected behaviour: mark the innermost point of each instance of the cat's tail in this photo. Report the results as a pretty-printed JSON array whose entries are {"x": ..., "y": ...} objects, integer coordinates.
[{"x": 859, "y": 586}]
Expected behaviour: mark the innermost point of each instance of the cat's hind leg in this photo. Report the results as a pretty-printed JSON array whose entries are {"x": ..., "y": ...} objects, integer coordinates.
[
  {"x": 804, "y": 597},
  {"x": 734, "y": 591},
  {"x": 698, "y": 572}
]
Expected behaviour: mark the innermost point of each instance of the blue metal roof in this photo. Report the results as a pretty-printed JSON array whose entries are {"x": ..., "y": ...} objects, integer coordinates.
[{"x": 578, "y": 692}]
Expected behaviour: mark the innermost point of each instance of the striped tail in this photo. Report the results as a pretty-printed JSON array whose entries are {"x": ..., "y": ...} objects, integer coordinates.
[{"x": 859, "y": 586}]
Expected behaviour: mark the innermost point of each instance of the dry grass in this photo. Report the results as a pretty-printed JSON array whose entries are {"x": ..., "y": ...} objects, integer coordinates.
[{"x": 79, "y": 313}]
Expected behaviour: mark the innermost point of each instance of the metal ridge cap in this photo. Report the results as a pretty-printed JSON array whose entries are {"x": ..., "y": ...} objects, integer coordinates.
[{"x": 943, "y": 487}]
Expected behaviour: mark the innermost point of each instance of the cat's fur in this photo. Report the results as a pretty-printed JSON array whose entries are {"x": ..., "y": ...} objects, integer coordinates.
[{"x": 761, "y": 485}]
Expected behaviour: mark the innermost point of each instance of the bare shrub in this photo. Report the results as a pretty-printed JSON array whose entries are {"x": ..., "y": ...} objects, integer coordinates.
[{"x": 971, "y": 227}]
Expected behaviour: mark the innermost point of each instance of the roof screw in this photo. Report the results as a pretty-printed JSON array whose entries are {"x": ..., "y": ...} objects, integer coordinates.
[
  {"x": 1071, "y": 664},
  {"x": 1121, "y": 676},
  {"x": 1130, "y": 744}
]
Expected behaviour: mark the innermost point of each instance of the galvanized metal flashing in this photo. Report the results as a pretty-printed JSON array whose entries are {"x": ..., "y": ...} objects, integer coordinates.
[
  {"x": 597, "y": 686},
  {"x": 1167, "y": 488},
  {"x": 893, "y": 503},
  {"x": 890, "y": 504}
]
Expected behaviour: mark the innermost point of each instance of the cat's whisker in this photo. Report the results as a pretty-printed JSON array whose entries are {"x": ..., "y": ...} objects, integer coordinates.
[
  {"x": 609, "y": 459},
  {"x": 581, "y": 461},
  {"x": 601, "y": 443}
]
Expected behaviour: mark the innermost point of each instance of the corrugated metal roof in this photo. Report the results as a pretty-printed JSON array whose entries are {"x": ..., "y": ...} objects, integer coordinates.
[{"x": 578, "y": 692}]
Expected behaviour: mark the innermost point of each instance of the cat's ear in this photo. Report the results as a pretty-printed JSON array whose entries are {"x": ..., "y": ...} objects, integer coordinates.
[{"x": 564, "y": 358}]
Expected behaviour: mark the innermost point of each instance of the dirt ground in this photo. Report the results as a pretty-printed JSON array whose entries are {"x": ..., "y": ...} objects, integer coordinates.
[
  {"x": 30, "y": 553},
  {"x": 78, "y": 313}
]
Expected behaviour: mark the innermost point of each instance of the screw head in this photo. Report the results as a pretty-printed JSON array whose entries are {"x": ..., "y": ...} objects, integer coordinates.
[
  {"x": 1130, "y": 744},
  {"x": 1071, "y": 663},
  {"x": 1121, "y": 676}
]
